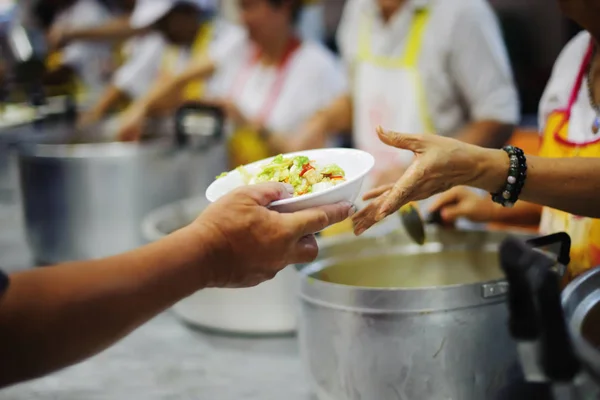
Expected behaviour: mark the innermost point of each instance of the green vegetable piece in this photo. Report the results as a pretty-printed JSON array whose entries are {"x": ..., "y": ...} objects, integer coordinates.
[
  {"x": 333, "y": 169},
  {"x": 300, "y": 161}
]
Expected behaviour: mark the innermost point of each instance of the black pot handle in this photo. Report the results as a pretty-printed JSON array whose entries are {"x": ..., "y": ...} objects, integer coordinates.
[
  {"x": 516, "y": 259},
  {"x": 561, "y": 238},
  {"x": 557, "y": 356},
  {"x": 182, "y": 136}
]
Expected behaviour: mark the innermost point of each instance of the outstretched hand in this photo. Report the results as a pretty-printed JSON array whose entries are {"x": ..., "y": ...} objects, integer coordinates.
[{"x": 439, "y": 164}]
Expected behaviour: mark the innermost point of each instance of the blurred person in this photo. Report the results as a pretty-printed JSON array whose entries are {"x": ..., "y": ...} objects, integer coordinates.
[
  {"x": 271, "y": 82},
  {"x": 55, "y": 317},
  {"x": 569, "y": 120},
  {"x": 175, "y": 32},
  {"x": 435, "y": 66},
  {"x": 310, "y": 26},
  {"x": 116, "y": 29},
  {"x": 81, "y": 65}
]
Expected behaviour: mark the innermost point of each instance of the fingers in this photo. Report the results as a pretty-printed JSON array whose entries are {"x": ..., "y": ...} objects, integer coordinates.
[
  {"x": 374, "y": 193},
  {"x": 366, "y": 218},
  {"x": 314, "y": 220},
  {"x": 266, "y": 193},
  {"x": 401, "y": 193},
  {"x": 306, "y": 250},
  {"x": 413, "y": 143}
]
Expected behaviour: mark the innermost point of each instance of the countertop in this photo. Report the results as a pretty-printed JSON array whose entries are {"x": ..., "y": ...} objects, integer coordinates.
[{"x": 164, "y": 359}]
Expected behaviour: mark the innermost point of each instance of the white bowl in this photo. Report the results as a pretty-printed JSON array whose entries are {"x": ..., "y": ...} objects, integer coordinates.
[{"x": 355, "y": 163}]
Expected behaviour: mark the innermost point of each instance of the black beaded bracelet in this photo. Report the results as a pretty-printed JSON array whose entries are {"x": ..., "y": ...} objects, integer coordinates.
[{"x": 517, "y": 174}]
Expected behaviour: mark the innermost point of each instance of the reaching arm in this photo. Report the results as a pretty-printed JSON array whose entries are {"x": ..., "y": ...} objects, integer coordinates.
[
  {"x": 166, "y": 95},
  {"x": 116, "y": 29},
  {"x": 335, "y": 118},
  {"x": 54, "y": 317},
  {"x": 568, "y": 184},
  {"x": 111, "y": 97}
]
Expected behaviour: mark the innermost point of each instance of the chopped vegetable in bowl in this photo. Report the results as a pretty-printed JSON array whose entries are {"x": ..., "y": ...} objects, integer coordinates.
[{"x": 305, "y": 175}]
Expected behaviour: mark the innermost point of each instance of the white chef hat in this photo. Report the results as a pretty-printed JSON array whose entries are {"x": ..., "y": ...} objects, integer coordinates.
[{"x": 147, "y": 12}]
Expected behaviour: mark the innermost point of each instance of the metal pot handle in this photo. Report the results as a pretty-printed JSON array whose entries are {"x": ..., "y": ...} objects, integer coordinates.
[
  {"x": 496, "y": 289},
  {"x": 561, "y": 238},
  {"x": 183, "y": 130}
]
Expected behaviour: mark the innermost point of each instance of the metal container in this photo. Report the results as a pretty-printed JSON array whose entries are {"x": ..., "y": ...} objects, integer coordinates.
[
  {"x": 382, "y": 318},
  {"x": 86, "y": 198},
  {"x": 266, "y": 309},
  {"x": 581, "y": 305}
]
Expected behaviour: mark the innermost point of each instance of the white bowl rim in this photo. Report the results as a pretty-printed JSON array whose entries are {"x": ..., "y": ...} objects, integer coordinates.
[{"x": 369, "y": 157}]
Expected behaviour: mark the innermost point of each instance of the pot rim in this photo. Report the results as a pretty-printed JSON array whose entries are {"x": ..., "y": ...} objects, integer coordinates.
[
  {"x": 578, "y": 298},
  {"x": 395, "y": 300},
  {"x": 94, "y": 150}
]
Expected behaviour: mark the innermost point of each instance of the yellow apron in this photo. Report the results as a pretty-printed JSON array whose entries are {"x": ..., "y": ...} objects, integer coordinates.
[
  {"x": 246, "y": 145},
  {"x": 388, "y": 91},
  {"x": 584, "y": 232},
  {"x": 194, "y": 90}
]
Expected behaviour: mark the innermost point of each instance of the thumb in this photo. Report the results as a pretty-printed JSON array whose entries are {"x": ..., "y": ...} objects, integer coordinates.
[
  {"x": 266, "y": 193},
  {"x": 414, "y": 143}
]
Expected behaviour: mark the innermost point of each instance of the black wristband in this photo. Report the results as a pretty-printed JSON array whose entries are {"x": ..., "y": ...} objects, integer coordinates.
[{"x": 517, "y": 174}]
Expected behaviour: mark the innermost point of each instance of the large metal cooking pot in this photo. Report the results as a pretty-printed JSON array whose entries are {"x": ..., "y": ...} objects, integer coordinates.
[
  {"x": 85, "y": 197},
  {"x": 267, "y": 309},
  {"x": 383, "y": 319}
]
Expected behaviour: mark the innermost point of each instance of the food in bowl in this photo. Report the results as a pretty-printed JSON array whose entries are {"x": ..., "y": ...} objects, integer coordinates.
[{"x": 304, "y": 174}]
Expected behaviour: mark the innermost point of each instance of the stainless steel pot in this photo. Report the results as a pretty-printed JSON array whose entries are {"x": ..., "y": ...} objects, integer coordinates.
[
  {"x": 88, "y": 200},
  {"x": 382, "y": 318}
]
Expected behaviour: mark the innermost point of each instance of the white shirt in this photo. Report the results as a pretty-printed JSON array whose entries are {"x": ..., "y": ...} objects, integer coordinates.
[
  {"x": 313, "y": 79},
  {"x": 560, "y": 86},
  {"x": 146, "y": 61},
  {"x": 91, "y": 61},
  {"x": 142, "y": 66},
  {"x": 463, "y": 61}
]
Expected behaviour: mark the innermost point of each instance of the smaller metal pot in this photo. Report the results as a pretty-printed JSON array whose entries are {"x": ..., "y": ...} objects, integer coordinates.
[{"x": 85, "y": 196}]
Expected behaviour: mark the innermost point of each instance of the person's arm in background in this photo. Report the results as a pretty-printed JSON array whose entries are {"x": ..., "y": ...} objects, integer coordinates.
[
  {"x": 479, "y": 65},
  {"x": 462, "y": 202},
  {"x": 109, "y": 99},
  {"x": 131, "y": 80},
  {"x": 117, "y": 29},
  {"x": 166, "y": 94},
  {"x": 54, "y": 317}
]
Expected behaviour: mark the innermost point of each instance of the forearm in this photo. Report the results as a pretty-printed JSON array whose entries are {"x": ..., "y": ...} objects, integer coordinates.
[
  {"x": 117, "y": 29},
  {"x": 335, "y": 118},
  {"x": 488, "y": 133},
  {"x": 111, "y": 97},
  {"x": 53, "y": 317},
  {"x": 568, "y": 184},
  {"x": 523, "y": 213},
  {"x": 166, "y": 94}
]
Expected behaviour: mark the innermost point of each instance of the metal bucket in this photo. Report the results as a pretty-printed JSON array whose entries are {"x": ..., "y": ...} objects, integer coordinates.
[
  {"x": 382, "y": 318},
  {"x": 267, "y": 309},
  {"x": 86, "y": 197}
]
